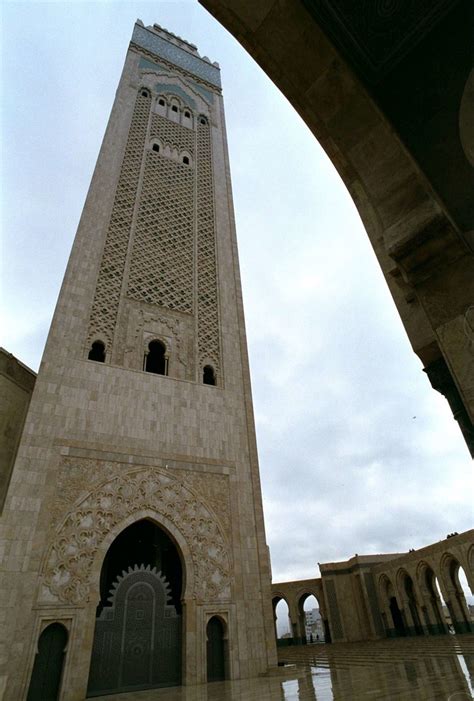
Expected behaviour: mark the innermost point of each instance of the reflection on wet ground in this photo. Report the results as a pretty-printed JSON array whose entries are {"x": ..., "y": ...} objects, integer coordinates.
[{"x": 411, "y": 669}]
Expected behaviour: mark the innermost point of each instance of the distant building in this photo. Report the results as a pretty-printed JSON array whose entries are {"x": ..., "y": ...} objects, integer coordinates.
[{"x": 314, "y": 627}]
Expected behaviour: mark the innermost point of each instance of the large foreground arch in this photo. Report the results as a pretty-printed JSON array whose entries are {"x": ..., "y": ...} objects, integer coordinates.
[{"x": 389, "y": 108}]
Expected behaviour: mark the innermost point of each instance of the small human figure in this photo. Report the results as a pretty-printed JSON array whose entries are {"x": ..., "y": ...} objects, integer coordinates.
[{"x": 317, "y": 637}]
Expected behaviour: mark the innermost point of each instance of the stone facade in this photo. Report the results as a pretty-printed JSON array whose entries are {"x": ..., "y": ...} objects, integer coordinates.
[
  {"x": 390, "y": 595},
  {"x": 105, "y": 444}
]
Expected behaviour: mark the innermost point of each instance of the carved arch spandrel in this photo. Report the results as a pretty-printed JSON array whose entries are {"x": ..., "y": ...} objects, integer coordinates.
[{"x": 80, "y": 542}]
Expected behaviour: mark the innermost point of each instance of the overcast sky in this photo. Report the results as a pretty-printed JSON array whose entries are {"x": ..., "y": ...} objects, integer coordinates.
[{"x": 357, "y": 452}]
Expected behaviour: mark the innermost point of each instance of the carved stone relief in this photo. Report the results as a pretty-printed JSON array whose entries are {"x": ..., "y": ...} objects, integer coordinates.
[
  {"x": 143, "y": 323},
  {"x": 77, "y": 539},
  {"x": 215, "y": 490}
]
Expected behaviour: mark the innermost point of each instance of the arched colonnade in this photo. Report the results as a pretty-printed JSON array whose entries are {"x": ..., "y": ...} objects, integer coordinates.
[
  {"x": 295, "y": 594},
  {"x": 412, "y": 594}
]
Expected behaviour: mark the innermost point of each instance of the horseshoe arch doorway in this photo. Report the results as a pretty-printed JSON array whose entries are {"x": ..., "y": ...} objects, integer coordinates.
[{"x": 138, "y": 629}]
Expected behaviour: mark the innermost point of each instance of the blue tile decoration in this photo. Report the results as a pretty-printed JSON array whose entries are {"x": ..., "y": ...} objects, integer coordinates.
[
  {"x": 178, "y": 91},
  {"x": 145, "y": 63},
  {"x": 160, "y": 47},
  {"x": 207, "y": 94}
]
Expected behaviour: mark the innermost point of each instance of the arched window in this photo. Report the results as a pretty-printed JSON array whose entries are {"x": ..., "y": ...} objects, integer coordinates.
[
  {"x": 202, "y": 120},
  {"x": 97, "y": 352},
  {"x": 174, "y": 108},
  {"x": 186, "y": 160},
  {"x": 208, "y": 375},
  {"x": 187, "y": 114},
  {"x": 144, "y": 93},
  {"x": 155, "y": 359},
  {"x": 156, "y": 147},
  {"x": 161, "y": 102}
]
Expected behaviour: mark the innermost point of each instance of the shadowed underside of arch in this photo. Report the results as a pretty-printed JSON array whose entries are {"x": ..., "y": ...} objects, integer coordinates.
[{"x": 386, "y": 105}]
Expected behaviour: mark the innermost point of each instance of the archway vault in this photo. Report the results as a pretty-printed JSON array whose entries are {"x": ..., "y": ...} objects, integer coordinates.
[{"x": 364, "y": 102}]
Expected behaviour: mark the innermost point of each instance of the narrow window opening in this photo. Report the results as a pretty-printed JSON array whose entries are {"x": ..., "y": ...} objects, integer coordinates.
[
  {"x": 97, "y": 352},
  {"x": 174, "y": 108},
  {"x": 45, "y": 682},
  {"x": 156, "y": 360},
  {"x": 202, "y": 120},
  {"x": 161, "y": 102},
  {"x": 156, "y": 148},
  {"x": 208, "y": 375},
  {"x": 144, "y": 93},
  {"x": 187, "y": 114},
  {"x": 186, "y": 160},
  {"x": 216, "y": 650}
]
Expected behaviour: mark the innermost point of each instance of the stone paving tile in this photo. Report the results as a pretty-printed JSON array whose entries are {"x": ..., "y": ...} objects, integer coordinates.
[{"x": 415, "y": 669}]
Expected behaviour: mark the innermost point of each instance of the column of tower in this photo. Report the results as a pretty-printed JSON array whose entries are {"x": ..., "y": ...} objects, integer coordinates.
[{"x": 137, "y": 470}]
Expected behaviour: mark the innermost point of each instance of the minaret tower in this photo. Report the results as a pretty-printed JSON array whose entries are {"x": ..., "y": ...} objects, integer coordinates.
[{"x": 134, "y": 552}]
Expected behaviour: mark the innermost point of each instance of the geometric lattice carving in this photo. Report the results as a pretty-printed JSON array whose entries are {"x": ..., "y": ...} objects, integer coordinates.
[
  {"x": 70, "y": 558},
  {"x": 180, "y": 136},
  {"x": 208, "y": 314},
  {"x": 162, "y": 261},
  {"x": 109, "y": 283}
]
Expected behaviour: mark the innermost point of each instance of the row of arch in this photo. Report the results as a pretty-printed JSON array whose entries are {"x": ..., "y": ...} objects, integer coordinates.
[
  {"x": 172, "y": 108},
  {"x": 430, "y": 596},
  {"x": 293, "y": 621},
  {"x": 170, "y": 151},
  {"x": 432, "y": 601},
  {"x": 155, "y": 360},
  {"x": 138, "y": 552}
]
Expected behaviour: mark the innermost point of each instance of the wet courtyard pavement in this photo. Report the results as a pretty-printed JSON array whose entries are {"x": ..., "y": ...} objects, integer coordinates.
[{"x": 410, "y": 669}]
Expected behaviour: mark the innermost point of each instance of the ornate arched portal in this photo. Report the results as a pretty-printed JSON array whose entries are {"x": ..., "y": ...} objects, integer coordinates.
[
  {"x": 143, "y": 519},
  {"x": 138, "y": 630}
]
